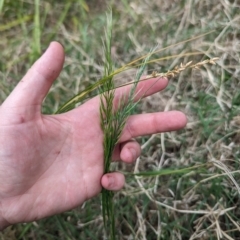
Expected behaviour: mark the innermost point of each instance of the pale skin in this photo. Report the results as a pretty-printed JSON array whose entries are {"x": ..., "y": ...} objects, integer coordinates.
[{"x": 53, "y": 163}]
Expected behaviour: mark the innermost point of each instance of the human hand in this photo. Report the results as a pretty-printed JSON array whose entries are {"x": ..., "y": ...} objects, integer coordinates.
[{"x": 53, "y": 163}]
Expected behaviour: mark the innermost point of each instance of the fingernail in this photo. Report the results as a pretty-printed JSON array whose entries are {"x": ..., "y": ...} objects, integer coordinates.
[
  {"x": 110, "y": 181},
  {"x": 134, "y": 153}
]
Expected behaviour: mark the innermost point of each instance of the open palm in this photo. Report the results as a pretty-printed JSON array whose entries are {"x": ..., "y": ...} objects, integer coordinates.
[{"x": 53, "y": 163}]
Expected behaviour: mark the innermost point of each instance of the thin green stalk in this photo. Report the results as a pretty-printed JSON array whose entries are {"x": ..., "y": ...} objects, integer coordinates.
[
  {"x": 1, "y": 5},
  {"x": 15, "y": 23},
  {"x": 37, "y": 28}
]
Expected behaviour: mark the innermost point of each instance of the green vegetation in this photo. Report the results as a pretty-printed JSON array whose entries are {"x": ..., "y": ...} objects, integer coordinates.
[{"x": 192, "y": 191}]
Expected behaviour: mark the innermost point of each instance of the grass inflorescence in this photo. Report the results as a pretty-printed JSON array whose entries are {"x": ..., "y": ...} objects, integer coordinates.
[
  {"x": 178, "y": 69},
  {"x": 113, "y": 120}
]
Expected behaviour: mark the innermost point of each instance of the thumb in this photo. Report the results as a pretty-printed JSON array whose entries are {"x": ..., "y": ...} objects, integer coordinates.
[{"x": 35, "y": 85}]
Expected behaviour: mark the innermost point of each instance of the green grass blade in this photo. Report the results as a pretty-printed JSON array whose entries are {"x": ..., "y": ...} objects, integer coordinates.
[
  {"x": 84, "y": 5},
  {"x": 1, "y": 5},
  {"x": 15, "y": 23},
  {"x": 25, "y": 230},
  {"x": 37, "y": 28},
  {"x": 70, "y": 104}
]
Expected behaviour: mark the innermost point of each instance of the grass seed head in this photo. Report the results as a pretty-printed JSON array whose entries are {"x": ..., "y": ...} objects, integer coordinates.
[{"x": 178, "y": 69}]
